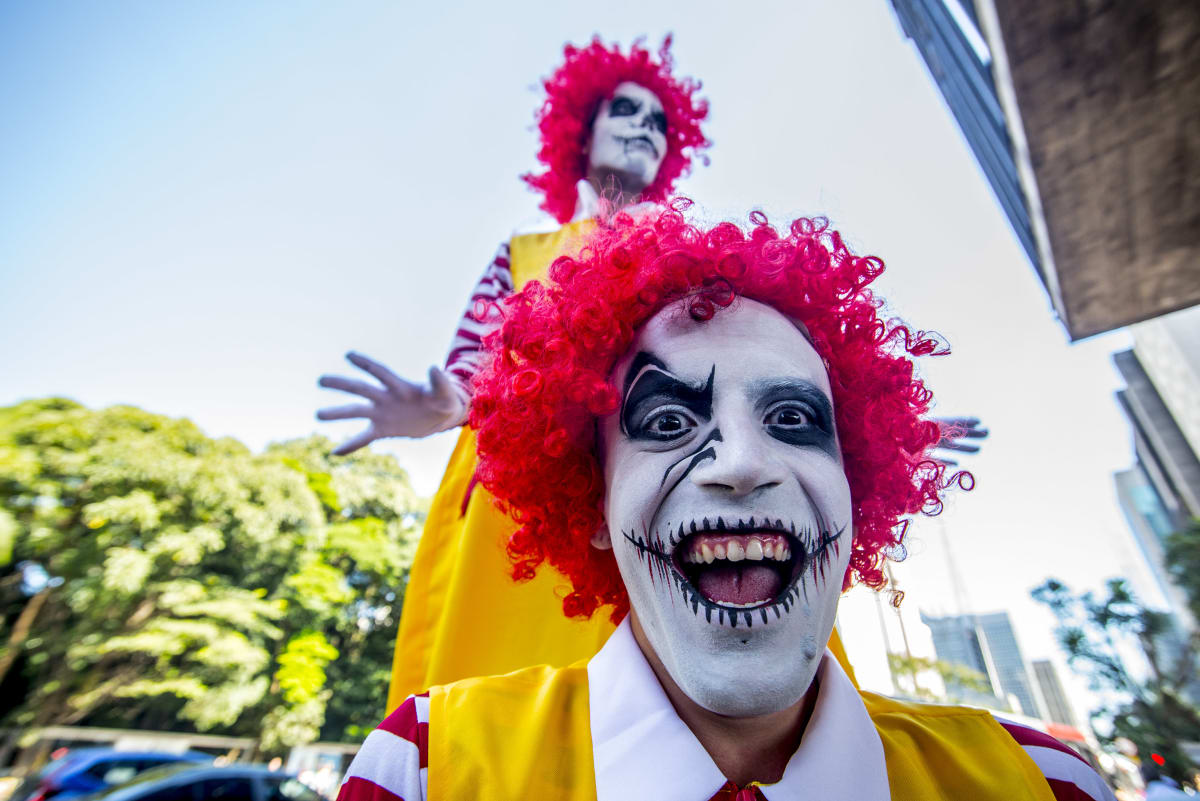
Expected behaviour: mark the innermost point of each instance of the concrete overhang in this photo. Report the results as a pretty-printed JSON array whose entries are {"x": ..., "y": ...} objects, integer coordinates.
[{"x": 1102, "y": 101}]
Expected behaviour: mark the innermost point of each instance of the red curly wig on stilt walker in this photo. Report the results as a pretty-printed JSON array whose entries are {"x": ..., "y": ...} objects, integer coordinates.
[
  {"x": 573, "y": 94},
  {"x": 535, "y": 405}
]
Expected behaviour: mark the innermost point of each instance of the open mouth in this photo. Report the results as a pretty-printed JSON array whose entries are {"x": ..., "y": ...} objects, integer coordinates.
[
  {"x": 741, "y": 570},
  {"x": 640, "y": 143}
]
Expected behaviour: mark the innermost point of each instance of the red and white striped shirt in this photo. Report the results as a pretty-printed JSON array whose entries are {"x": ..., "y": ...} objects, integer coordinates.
[
  {"x": 393, "y": 763},
  {"x": 481, "y": 318},
  {"x": 1069, "y": 775}
]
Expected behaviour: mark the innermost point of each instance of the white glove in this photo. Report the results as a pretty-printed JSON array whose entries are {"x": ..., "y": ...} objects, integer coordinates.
[{"x": 399, "y": 408}]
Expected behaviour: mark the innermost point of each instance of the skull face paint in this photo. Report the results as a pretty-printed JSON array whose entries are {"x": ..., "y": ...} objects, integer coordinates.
[
  {"x": 629, "y": 138},
  {"x": 726, "y": 503}
]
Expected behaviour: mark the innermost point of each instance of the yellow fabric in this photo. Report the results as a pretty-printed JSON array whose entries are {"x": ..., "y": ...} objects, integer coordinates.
[
  {"x": 521, "y": 736},
  {"x": 839, "y": 653},
  {"x": 530, "y": 255},
  {"x": 527, "y": 735},
  {"x": 951, "y": 752},
  {"x": 463, "y": 616}
]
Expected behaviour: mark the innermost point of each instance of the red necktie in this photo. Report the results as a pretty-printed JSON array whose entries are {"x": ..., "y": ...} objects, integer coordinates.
[{"x": 730, "y": 792}]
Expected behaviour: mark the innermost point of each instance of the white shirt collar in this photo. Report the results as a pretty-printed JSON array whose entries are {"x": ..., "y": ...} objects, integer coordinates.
[
  {"x": 638, "y": 742},
  {"x": 587, "y": 202}
]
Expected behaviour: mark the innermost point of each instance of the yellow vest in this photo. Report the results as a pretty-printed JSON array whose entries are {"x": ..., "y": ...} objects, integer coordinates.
[
  {"x": 463, "y": 616},
  {"x": 527, "y": 735}
]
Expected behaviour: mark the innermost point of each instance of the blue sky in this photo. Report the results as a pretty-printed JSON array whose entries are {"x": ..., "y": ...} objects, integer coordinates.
[{"x": 203, "y": 206}]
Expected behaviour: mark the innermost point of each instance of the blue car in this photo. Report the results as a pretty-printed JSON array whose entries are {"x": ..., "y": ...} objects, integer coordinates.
[
  {"x": 183, "y": 782},
  {"x": 85, "y": 770}
]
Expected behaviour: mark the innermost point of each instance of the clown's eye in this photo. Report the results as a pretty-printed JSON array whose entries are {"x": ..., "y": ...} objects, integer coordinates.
[
  {"x": 658, "y": 121},
  {"x": 790, "y": 415},
  {"x": 622, "y": 107},
  {"x": 667, "y": 425}
]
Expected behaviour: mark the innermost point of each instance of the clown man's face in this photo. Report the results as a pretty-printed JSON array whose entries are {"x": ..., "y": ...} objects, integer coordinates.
[
  {"x": 629, "y": 138},
  {"x": 726, "y": 503}
]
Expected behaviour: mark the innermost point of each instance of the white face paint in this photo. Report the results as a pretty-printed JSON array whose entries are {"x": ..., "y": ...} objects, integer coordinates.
[
  {"x": 727, "y": 504},
  {"x": 629, "y": 139}
]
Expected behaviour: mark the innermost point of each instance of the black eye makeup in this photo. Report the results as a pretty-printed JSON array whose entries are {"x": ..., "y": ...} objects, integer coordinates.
[
  {"x": 622, "y": 106},
  {"x": 790, "y": 415},
  {"x": 660, "y": 406},
  {"x": 797, "y": 412},
  {"x": 664, "y": 424}
]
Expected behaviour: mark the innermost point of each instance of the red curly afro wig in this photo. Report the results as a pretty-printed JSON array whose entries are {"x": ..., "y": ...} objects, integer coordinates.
[
  {"x": 536, "y": 403},
  {"x": 574, "y": 93}
]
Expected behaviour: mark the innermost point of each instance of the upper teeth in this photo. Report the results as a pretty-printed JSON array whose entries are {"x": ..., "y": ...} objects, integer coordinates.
[{"x": 708, "y": 548}]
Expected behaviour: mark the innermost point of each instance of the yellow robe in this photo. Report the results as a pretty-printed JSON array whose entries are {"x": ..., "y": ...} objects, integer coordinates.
[
  {"x": 463, "y": 616},
  {"x": 527, "y": 735}
]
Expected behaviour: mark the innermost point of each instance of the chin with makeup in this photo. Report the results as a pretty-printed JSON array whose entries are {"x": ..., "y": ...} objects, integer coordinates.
[{"x": 706, "y": 435}]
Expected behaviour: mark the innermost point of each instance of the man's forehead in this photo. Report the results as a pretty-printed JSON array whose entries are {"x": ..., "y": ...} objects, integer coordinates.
[
  {"x": 637, "y": 92},
  {"x": 747, "y": 335}
]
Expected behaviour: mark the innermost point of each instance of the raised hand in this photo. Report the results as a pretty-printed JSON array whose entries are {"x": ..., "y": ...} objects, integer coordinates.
[
  {"x": 955, "y": 433},
  {"x": 398, "y": 408}
]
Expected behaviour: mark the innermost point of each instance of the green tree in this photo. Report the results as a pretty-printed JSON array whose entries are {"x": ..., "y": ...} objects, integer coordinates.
[
  {"x": 1096, "y": 633},
  {"x": 908, "y": 671},
  {"x": 350, "y": 590},
  {"x": 152, "y": 576},
  {"x": 1182, "y": 557}
]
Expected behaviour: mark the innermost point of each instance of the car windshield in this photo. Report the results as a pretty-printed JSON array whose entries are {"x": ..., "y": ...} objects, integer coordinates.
[
  {"x": 289, "y": 788},
  {"x": 70, "y": 756},
  {"x": 153, "y": 774}
]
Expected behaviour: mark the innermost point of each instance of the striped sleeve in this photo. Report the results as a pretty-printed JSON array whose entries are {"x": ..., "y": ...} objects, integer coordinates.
[
  {"x": 480, "y": 319},
  {"x": 392, "y": 764},
  {"x": 1069, "y": 775}
]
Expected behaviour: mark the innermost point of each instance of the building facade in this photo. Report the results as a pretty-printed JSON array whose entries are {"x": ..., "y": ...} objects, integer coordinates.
[
  {"x": 988, "y": 645},
  {"x": 1054, "y": 99},
  {"x": 1058, "y": 708},
  {"x": 1160, "y": 493}
]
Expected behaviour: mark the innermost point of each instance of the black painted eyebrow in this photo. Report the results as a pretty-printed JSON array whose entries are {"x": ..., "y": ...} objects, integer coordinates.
[
  {"x": 641, "y": 360},
  {"x": 641, "y": 384}
]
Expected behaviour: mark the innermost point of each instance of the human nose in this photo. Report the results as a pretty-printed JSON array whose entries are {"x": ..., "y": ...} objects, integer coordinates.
[
  {"x": 645, "y": 120},
  {"x": 742, "y": 463}
]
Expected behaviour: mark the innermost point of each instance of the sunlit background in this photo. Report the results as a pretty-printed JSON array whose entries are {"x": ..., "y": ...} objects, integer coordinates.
[{"x": 203, "y": 206}]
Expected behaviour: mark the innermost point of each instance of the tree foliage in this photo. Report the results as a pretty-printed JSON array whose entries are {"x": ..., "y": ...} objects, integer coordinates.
[
  {"x": 1182, "y": 557},
  {"x": 152, "y": 576},
  {"x": 1097, "y": 634},
  {"x": 955, "y": 678}
]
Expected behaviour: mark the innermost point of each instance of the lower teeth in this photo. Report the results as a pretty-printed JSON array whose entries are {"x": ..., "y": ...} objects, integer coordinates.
[{"x": 750, "y": 605}]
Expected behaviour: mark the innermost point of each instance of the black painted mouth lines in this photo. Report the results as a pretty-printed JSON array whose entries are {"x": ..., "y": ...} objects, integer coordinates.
[
  {"x": 626, "y": 141},
  {"x": 651, "y": 551},
  {"x": 812, "y": 555}
]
